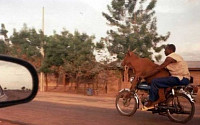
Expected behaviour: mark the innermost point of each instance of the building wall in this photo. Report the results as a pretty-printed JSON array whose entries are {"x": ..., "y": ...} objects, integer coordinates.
[
  {"x": 196, "y": 76},
  {"x": 108, "y": 82}
]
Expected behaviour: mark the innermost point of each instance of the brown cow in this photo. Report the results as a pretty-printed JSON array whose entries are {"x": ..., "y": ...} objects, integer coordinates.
[{"x": 141, "y": 67}]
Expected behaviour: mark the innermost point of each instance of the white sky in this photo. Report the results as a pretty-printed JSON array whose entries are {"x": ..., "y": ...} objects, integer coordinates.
[
  {"x": 180, "y": 17},
  {"x": 14, "y": 76}
]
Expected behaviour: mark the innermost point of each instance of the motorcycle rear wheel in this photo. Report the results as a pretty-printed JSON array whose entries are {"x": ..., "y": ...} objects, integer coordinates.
[
  {"x": 181, "y": 109},
  {"x": 126, "y": 106}
]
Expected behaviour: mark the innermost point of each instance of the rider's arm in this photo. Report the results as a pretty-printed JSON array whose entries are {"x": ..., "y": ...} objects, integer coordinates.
[{"x": 167, "y": 61}]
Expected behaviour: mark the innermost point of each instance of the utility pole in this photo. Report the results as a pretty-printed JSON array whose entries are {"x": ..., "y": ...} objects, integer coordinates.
[{"x": 42, "y": 53}]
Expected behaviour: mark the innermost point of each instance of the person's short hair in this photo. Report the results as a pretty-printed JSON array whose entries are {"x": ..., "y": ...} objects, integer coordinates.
[{"x": 171, "y": 47}]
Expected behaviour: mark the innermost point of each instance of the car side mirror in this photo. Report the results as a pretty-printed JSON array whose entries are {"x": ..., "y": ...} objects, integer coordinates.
[{"x": 18, "y": 81}]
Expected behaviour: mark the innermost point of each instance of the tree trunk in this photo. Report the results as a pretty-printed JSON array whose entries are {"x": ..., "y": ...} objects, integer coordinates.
[
  {"x": 64, "y": 81},
  {"x": 77, "y": 82},
  {"x": 46, "y": 81},
  {"x": 57, "y": 76},
  {"x": 97, "y": 86},
  {"x": 77, "y": 86},
  {"x": 106, "y": 87},
  {"x": 85, "y": 89},
  {"x": 93, "y": 87},
  {"x": 71, "y": 85},
  {"x": 106, "y": 81}
]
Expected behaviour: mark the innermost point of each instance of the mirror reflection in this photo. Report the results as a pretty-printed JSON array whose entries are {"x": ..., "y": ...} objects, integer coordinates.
[{"x": 15, "y": 82}]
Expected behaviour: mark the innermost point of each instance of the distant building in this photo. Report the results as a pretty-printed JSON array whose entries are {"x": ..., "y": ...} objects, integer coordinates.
[{"x": 194, "y": 68}]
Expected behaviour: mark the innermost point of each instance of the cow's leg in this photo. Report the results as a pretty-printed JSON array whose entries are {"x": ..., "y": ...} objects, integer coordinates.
[
  {"x": 161, "y": 94},
  {"x": 157, "y": 90},
  {"x": 135, "y": 81},
  {"x": 132, "y": 88}
]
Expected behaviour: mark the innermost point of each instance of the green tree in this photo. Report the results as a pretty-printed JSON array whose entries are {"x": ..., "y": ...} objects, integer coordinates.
[
  {"x": 134, "y": 28},
  {"x": 3, "y": 47},
  {"x": 71, "y": 54},
  {"x": 23, "y": 88},
  {"x": 4, "y": 32},
  {"x": 55, "y": 50},
  {"x": 80, "y": 54},
  {"x": 4, "y": 43},
  {"x": 26, "y": 44},
  {"x": 80, "y": 63}
]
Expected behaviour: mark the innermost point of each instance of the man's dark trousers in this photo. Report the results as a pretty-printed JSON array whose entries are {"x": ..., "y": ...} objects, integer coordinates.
[{"x": 165, "y": 83}]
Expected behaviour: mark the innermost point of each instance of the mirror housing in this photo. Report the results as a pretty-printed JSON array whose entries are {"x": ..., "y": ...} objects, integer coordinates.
[{"x": 34, "y": 83}]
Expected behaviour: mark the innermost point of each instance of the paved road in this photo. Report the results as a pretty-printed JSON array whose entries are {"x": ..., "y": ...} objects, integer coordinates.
[{"x": 68, "y": 109}]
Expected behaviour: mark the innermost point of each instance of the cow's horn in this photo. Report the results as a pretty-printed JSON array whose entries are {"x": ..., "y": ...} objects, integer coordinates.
[
  {"x": 134, "y": 50},
  {"x": 129, "y": 48}
]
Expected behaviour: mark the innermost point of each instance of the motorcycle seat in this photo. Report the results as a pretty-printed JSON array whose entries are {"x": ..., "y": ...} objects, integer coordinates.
[{"x": 144, "y": 86}]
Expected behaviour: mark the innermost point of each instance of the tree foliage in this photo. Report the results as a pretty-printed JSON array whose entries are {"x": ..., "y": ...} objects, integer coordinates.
[
  {"x": 70, "y": 53},
  {"x": 26, "y": 44},
  {"x": 4, "y": 32},
  {"x": 4, "y": 48},
  {"x": 134, "y": 28},
  {"x": 55, "y": 52},
  {"x": 80, "y": 60}
]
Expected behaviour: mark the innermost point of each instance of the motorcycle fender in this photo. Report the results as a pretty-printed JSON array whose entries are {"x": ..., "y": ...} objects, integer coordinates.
[
  {"x": 135, "y": 95},
  {"x": 137, "y": 100},
  {"x": 190, "y": 97}
]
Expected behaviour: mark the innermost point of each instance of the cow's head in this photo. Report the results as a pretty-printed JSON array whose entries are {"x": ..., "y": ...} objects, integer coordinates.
[{"x": 127, "y": 59}]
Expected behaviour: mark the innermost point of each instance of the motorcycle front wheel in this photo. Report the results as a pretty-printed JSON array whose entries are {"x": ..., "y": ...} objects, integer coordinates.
[
  {"x": 126, "y": 106},
  {"x": 180, "y": 108}
]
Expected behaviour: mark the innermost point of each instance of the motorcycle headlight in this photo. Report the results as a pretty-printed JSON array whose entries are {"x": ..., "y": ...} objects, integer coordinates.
[{"x": 131, "y": 79}]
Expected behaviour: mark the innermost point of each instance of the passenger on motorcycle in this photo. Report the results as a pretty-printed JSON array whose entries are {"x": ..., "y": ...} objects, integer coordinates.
[{"x": 178, "y": 69}]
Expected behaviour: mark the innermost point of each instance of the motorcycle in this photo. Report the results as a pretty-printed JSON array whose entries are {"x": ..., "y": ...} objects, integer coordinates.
[{"x": 179, "y": 105}]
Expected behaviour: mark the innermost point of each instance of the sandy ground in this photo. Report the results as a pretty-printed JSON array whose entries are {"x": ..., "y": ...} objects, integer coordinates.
[
  {"x": 7, "y": 123},
  {"x": 16, "y": 94},
  {"x": 99, "y": 110}
]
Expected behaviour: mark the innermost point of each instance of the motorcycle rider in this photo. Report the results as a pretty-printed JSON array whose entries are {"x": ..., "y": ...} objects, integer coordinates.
[{"x": 178, "y": 69}]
